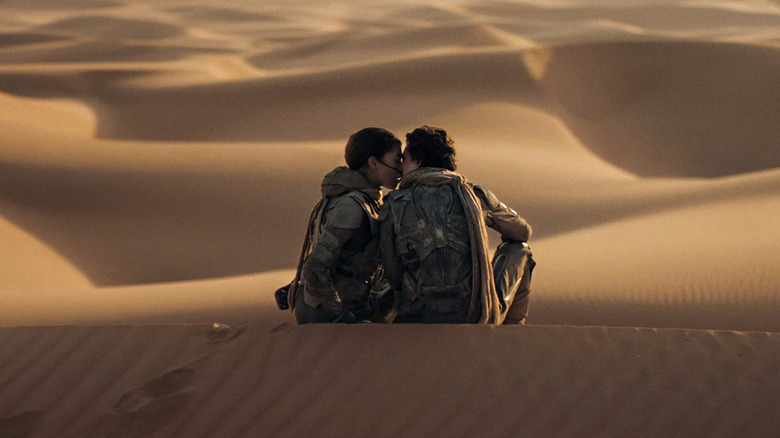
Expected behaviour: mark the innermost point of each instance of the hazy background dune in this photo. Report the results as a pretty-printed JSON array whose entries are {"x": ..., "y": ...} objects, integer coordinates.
[{"x": 158, "y": 162}]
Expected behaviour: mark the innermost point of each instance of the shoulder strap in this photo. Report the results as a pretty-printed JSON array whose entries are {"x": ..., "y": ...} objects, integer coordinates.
[
  {"x": 369, "y": 207},
  {"x": 365, "y": 202}
]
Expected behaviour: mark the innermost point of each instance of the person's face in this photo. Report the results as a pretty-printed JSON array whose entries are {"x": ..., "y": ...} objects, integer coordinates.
[
  {"x": 408, "y": 164},
  {"x": 387, "y": 172}
]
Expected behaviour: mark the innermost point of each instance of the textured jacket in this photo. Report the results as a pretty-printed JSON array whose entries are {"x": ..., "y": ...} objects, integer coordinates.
[
  {"x": 341, "y": 253},
  {"x": 434, "y": 246}
]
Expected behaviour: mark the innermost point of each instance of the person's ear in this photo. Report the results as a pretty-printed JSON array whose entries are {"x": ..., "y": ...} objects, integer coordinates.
[{"x": 372, "y": 162}]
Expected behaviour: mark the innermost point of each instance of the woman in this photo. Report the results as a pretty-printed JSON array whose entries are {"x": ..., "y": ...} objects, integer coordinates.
[{"x": 340, "y": 254}]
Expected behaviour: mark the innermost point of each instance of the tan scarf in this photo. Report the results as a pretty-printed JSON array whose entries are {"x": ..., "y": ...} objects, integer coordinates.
[{"x": 484, "y": 287}]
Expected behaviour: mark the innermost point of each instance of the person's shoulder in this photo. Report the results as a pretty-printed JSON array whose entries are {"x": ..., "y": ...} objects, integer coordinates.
[
  {"x": 487, "y": 197},
  {"x": 357, "y": 197},
  {"x": 478, "y": 189},
  {"x": 393, "y": 203},
  {"x": 345, "y": 211},
  {"x": 395, "y": 195}
]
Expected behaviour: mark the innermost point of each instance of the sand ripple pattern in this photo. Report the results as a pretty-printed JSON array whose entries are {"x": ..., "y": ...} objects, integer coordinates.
[
  {"x": 201, "y": 381},
  {"x": 144, "y": 143}
]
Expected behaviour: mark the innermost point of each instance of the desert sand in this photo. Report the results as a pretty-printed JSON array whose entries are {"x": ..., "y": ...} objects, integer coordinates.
[{"x": 159, "y": 160}]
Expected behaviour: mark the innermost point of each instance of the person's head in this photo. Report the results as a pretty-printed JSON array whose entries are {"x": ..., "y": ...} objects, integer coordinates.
[
  {"x": 428, "y": 146},
  {"x": 376, "y": 154}
]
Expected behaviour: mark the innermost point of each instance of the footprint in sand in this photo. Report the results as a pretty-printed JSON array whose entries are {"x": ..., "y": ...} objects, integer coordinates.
[{"x": 147, "y": 409}]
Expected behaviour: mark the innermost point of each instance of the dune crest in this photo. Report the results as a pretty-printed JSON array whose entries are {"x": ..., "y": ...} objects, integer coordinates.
[
  {"x": 58, "y": 116},
  {"x": 31, "y": 265}
]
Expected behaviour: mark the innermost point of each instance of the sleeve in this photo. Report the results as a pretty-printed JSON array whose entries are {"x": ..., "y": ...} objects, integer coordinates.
[
  {"x": 392, "y": 268},
  {"x": 341, "y": 222},
  {"x": 502, "y": 218}
]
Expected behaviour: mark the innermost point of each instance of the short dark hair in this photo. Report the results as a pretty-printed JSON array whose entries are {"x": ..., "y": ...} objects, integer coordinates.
[
  {"x": 432, "y": 147},
  {"x": 367, "y": 143}
]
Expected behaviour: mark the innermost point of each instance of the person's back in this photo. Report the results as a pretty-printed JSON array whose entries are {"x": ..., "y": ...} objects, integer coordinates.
[{"x": 433, "y": 244}]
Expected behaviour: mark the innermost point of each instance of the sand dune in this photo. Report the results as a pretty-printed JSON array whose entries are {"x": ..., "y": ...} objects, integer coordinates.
[
  {"x": 54, "y": 271},
  {"x": 19, "y": 39},
  {"x": 720, "y": 103},
  {"x": 734, "y": 247},
  {"x": 346, "y": 48},
  {"x": 105, "y": 27},
  {"x": 54, "y": 4},
  {"x": 193, "y": 215},
  {"x": 649, "y": 95},
  {"x": 652, "y": 18},
  {"x": 102, "y": 51},
  {"x": 235, "y": 300},
  {"x": 158, "y": 161},
  {"x": 205, "y": 381},
  {"x": 99, "y": 219},
  {"x": 210, "y": 14}
]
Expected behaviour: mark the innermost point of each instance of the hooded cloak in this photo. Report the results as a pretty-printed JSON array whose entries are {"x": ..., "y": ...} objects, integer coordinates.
[
  {"x": 484, "y": 298},
  {"x": 340, "y": 181}
]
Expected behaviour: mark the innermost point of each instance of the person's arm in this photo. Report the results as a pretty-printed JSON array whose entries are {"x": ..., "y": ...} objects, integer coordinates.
[
  {"x": 341, "y": 222},
  {"x": 502, "y": 218}
]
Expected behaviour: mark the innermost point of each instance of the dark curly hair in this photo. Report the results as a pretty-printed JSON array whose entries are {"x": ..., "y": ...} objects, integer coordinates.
[
  {"x": 367, "y": 143},
  {"x": 432, "y": 147}
]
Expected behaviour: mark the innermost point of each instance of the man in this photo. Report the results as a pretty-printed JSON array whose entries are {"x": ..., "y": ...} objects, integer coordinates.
[{"x": 434, "y": 243}]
